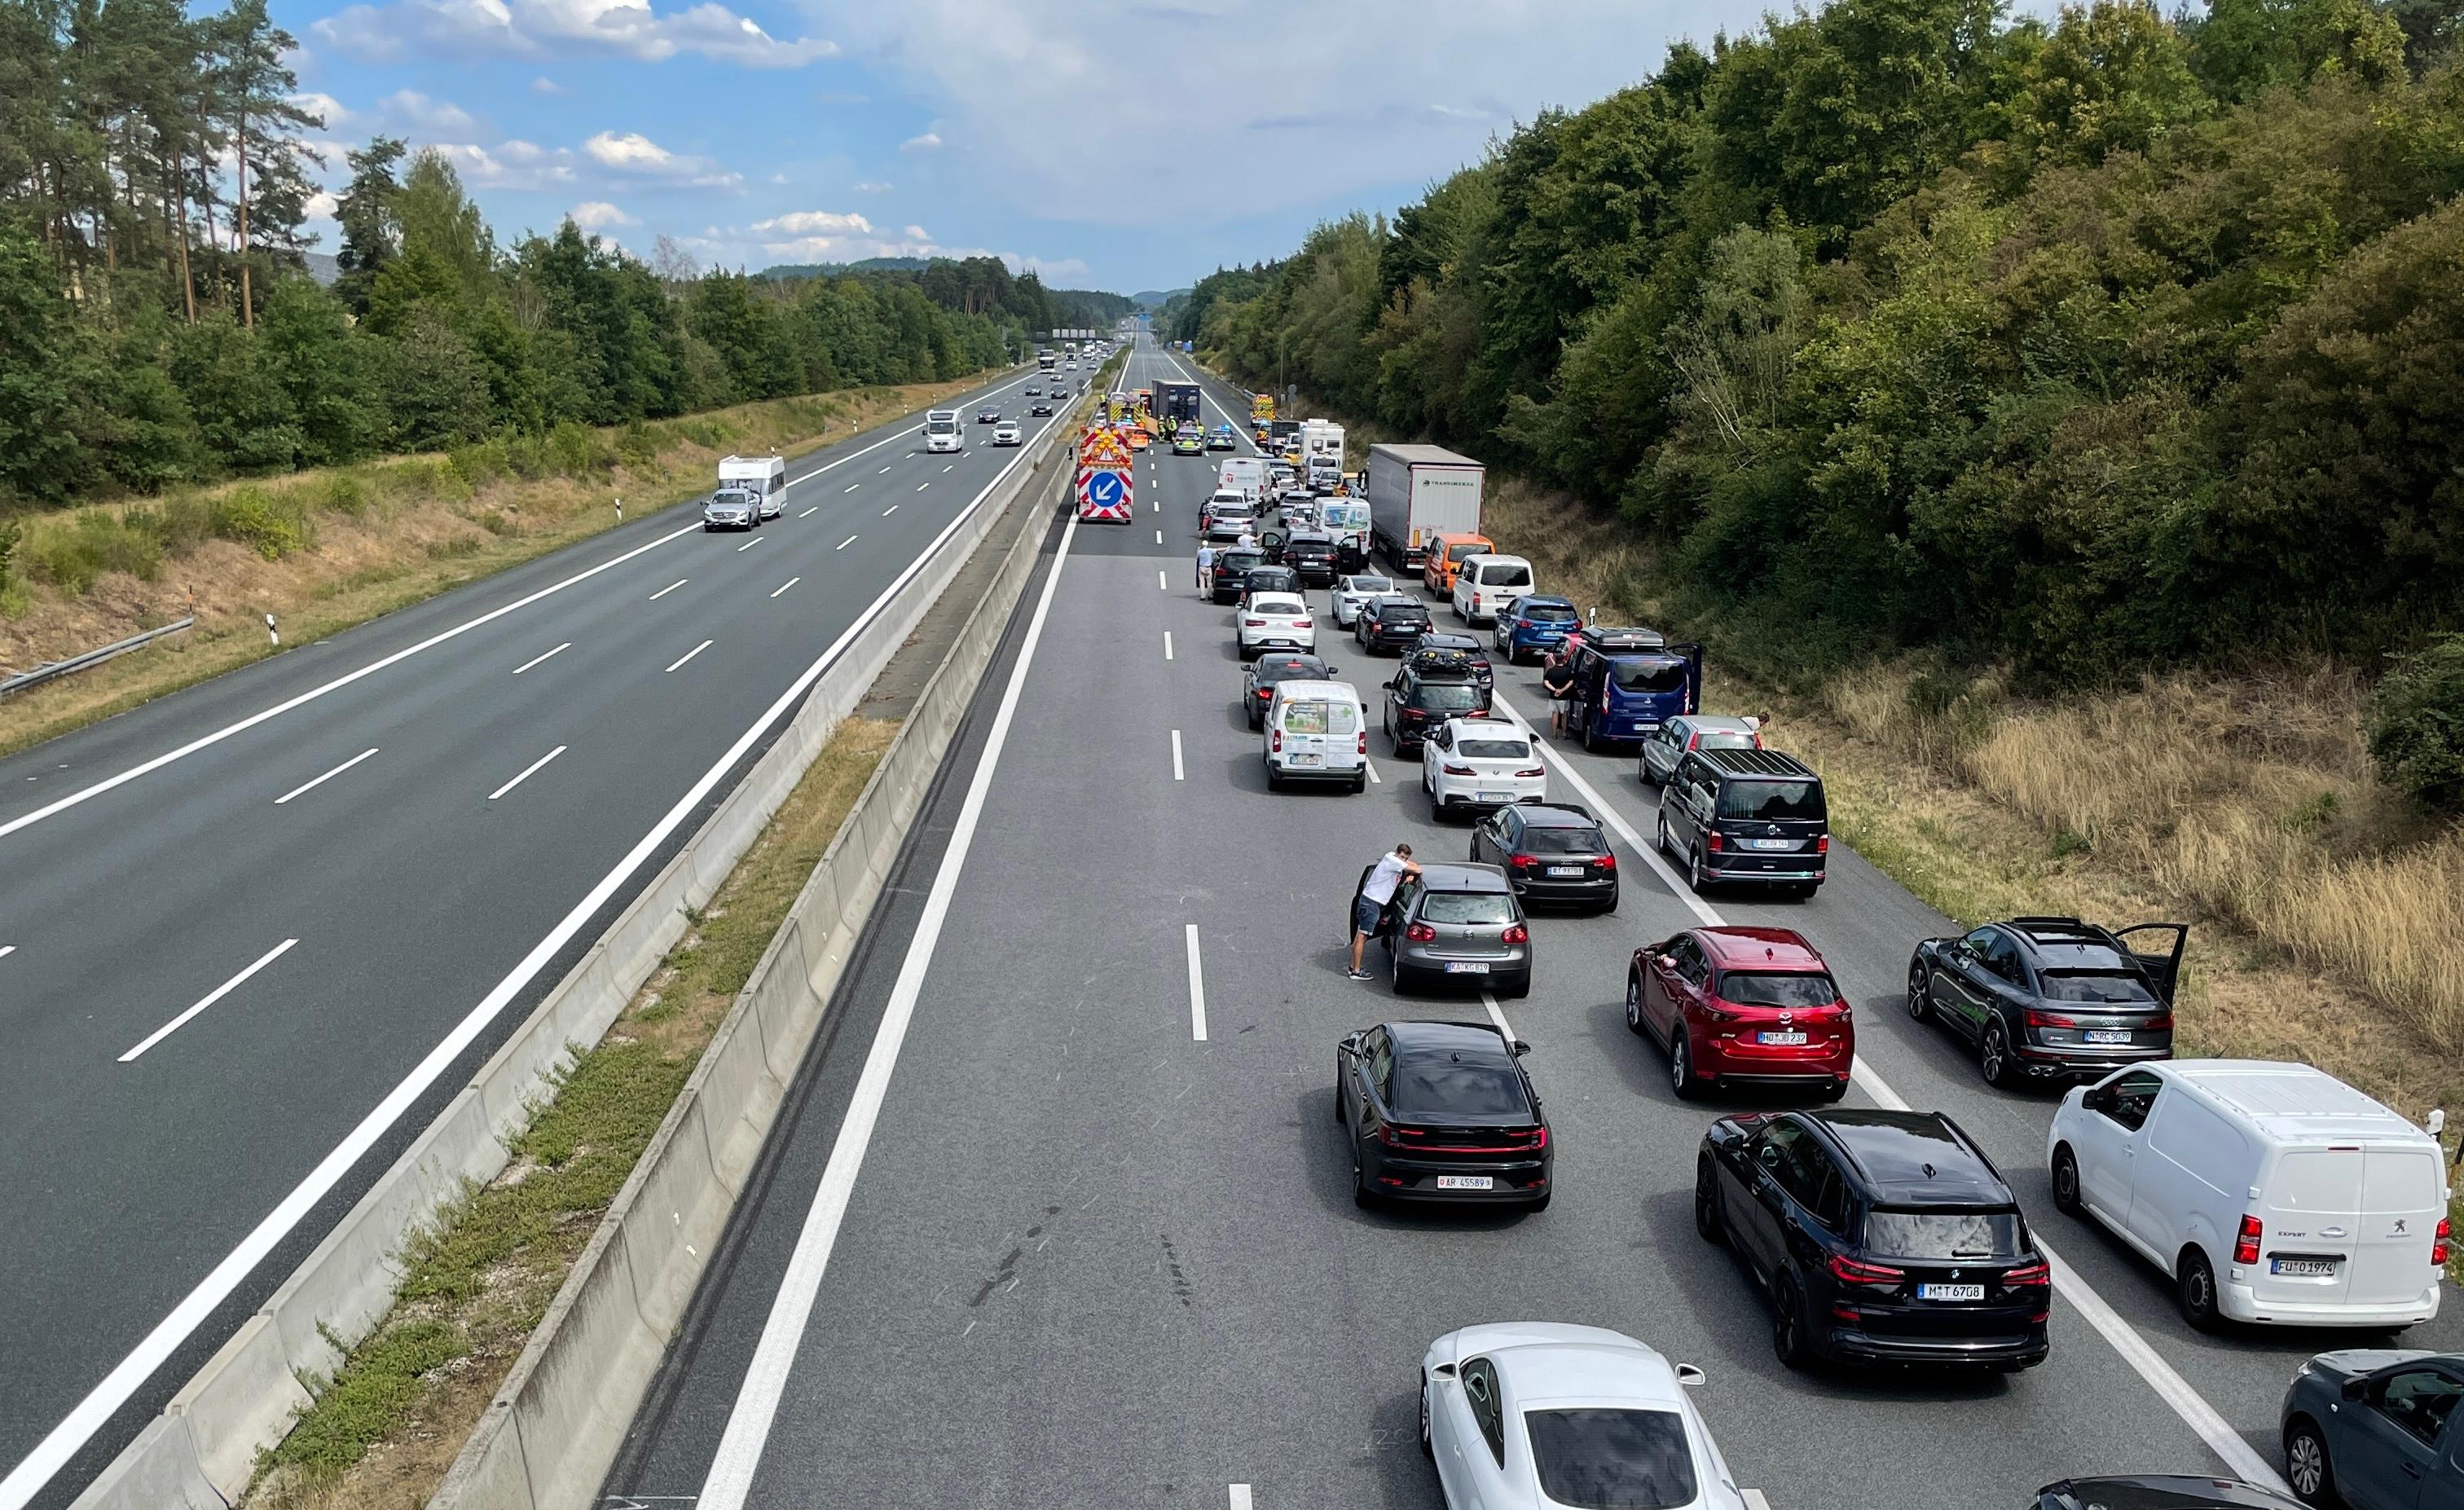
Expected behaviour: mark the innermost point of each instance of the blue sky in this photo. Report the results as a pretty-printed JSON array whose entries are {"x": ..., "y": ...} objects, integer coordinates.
[{"x": 1107, "y": 145}]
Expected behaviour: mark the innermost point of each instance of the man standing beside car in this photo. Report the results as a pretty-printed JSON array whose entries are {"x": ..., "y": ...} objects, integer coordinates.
[
  {"x": 1557, "y": 680},
  {"x": 1375, "y": 894},
  {"x": 1205, "y": 568}
]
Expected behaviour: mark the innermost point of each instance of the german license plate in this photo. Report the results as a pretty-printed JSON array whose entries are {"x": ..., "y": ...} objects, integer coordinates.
[
  {"x": 1565, "y": 869},
  {"x": 2108, "y": 1035},
  {"x": 1779, "y": 1037},
  {"x": 2302, "y": 1268},
  {"x": 1950, "y": 1292},
  {"x": 1466, "y": 1182},
  {"x": 1304, "y": 759},
  {"x": 1770, "y": 844},
  {"x": 1466, "y": 967},
  {"x": 1497, "y": 796}
]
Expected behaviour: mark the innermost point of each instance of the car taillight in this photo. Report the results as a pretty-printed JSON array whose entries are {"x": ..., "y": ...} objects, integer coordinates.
[
  {"x": 1301, "y": 623},
  {"x": 1516, "y": 933},
  {"x": 1713, "y": 842},
  {"x": 2033, "y": 1276},
  {"x": 2163, "y": 1023},
  {"x": 1823, "y": 845},
  {"x": 1456, "y": 770},
  {"x": 1856, "y": 1271},
  {"x": 2438, "y": 1243},
  {"x": 1254, "y": 623},
  {"x": 1278, "y": 744},
  {"x": 2050, "y": 1019},
  {"x": 2246, "y": 1245},
  {"x": 1520, "y": 862},
  {"x": 1607, "y": 861},
  {"x": 1363, "y": 747},
  {"x": 1420, "y": 933},
  {"x": 1534, "y": 772}
]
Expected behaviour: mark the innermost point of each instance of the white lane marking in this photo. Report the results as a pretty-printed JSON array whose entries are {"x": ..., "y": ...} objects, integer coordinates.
[
  {"x": 810, "y": 511},
  {"x": 845, "y": 543},
  {"x": 892, "y": 509},
  {"x": 312, "y": 786},
  {"x": 1175, "y": 755},
  {"x": 535, "y": 659},
  {"x": 1161, "y": 585},
  {"x": 1196, "y": 986},
  {"x": 2176, "y": 1392},
  {"x": 206, "y": 740},
  {"x": 951, "y": 464},
  {"x": 532, "y": 769},
  {"x": 757, "y": 1402},
  {"x": 216, "y": 994},
  {"x": 1497, "y": 1016},
  {"x": 698, "y": 649},
  {"x": 7, "y": 949},
  {"x": 1167, "y": 644},
  {"x": 850, "y": 487},
  {"x": 1158, "y": 537},
  {"x": 921, "y": 486},
  {"x": 1239, "y": 1497},
  {"x": 748, "y": 544},
  {"x": 1755, "y": 1500},
  {"x": 784, "y": 586},
  {"x": 883, "y": 473},
  {"x": 64, "y": 1441},
  {"x": 670, "y": 588}
]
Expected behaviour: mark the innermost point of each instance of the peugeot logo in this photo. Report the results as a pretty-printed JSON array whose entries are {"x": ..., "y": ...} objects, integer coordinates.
[{"x": 2399, "y": 1228}]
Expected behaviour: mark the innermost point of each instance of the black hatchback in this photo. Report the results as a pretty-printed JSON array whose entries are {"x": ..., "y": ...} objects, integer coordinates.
[
  {"x": 1395, "y": 624},
  {"x": 1747, "y": 815},
  {"x": 2052, "y": 999},
  {"x": 1442, "y": 1111},
  {"x": 1552, "y": 852},
  {"x": 1881, "y": 1237}
]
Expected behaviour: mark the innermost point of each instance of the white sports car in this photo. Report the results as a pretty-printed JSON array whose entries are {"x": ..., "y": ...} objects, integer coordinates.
[
  {"x": 1524, "y": 1415},
  {"x": 1273, "y": 621}
]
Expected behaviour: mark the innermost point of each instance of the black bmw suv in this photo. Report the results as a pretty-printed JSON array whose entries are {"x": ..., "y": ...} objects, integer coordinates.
[
  {"x": 2051, "y": 998},
  {"x": 1881, "y": 1237}
]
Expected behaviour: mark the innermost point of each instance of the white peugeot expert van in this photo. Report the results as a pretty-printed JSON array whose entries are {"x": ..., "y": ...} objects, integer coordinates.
[
  {"x": 2270, "y": 1192},
  {"x": 1316, "y": 731}
]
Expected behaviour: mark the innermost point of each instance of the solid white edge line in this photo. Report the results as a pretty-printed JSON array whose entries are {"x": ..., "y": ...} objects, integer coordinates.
[
  {"x": 530, "y": 769},
  {"x": 698, "y": 649},
  {"x": 1175, "y": 755},
  {"x": 1371, "y": 765},
  {"x": 845, "y": 543},
  {"x": 216, "y": 994},
  {"x": 765, "y": 1380},
  {"x": 535, "y": 659},
  {"x": 784, "y": 586},
  {"x": 670, "y": 588},
  {"x": 1755, "y": 1500},
  {"x": 2176, "y": 1392},
  {"x": 1497, "y": 1016},
  {"x": 311, "y": 786},
  {"x": 1196, "y": 986},
  {"x": 90, "y": 1414}
]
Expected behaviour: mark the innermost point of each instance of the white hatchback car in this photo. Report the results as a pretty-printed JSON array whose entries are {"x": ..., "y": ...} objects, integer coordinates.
[
  {"x": 1479, "y": 764},
  {"x": 1521, "y": 1415},
  {"x": 1273, "y": 621}
]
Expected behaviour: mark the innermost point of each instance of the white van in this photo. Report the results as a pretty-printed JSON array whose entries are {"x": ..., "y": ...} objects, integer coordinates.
[
  {"x": 765, "y": 477},
  {"x": 941, "y": 430},
  {"x": 1485, "y": 584},
  {"x": 2270, "y": 1192},
  {"x": 1316, "y": 731}
]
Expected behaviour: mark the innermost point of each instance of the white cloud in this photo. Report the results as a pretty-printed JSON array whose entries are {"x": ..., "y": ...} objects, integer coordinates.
[
  {"x": 869, "y": 186},
  {"x": 1052, "y": 272},
  {"x": 324, "y": 105},
  {"x": 921, "y": 144},
  {"x": 409, "y": 110},
  {"x": 598, "y": 214},
  {"x": 918, "y": 234},
  {"x": 512, "y": 164},
  {"x": 321, "y": 206},
  {"x": 382, "y": 32},
  {"x": 814, "y": 222},
  {"x": 544, "y": 86},
  {"x": 632, "y": 153}
]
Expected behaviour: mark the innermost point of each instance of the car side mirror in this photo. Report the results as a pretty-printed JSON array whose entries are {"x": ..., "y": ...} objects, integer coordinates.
[
  {"x": 1389, "y": 683},
  {"x": 1688, "y": 1375},
  {"x": 1521, "y": 1048},
  {"x": 2356, "y": 1389}
]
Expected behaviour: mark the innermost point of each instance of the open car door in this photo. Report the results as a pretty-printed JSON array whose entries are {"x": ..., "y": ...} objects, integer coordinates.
[
  {"x": 1693, "y": 654},
  {"x": 2159, "y": 955}
]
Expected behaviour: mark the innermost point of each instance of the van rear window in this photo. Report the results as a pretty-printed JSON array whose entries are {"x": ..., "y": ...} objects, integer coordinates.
[
  {"x": 2317, "y": 1180},
  {"x": 2400, "y": 1180},
  {"x": 1773, "y": 801},
  {"x": 1319, "y": 718},
  {"x": 1647, "y": 676},
  {"x": 1505, "y": 577}
]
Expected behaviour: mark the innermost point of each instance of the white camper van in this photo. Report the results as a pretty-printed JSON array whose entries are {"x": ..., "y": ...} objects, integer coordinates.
[
  {"x": 2270, "y": 1192},
  {"x": 941, "y": 430},
  {"x": 765, "y": 477}
]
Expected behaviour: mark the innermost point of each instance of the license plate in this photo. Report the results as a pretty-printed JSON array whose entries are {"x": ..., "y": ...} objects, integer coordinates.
[
  {"x": 2108, "y": 1035},
  {"x": 1950, "y": 1292},
  {"x": 1565, "y": 869},
  {"x": 1304, "y": 759},
  {"x": 1779, "y": 1037},
  {"x": 1770, "y": 844},
  {"x": 1496, "y": 796},
  {"x": 2303, "y": 1268},
  {"x": 1466, "y": 968},
  {"x": 1466, "y": 1182}
]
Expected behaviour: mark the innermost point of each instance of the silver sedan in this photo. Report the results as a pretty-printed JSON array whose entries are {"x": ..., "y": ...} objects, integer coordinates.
[
  {"x": 1519, "y": 1414},
  {"x": 1351, "y": 592}
]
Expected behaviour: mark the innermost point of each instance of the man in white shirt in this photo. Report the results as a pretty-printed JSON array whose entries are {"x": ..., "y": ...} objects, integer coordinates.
[
  {"x": 1374, "y": 895},
  {"x": 1205, "y": 568}
]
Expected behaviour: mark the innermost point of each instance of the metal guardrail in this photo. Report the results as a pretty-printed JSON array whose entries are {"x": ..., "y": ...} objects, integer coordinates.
[{"x": 93, "y": 657}]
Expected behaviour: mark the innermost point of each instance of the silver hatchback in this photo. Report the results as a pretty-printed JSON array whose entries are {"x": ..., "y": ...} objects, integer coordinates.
[{"x": 1456, "y": 924}]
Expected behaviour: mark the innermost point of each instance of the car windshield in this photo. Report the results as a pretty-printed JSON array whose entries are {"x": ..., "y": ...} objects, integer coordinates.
[
  {"x": 1538, "y": 841},
  {"x": 1778, "y": 989},
  {"x": 1724, "y": 740},
  {"x": 1942, "y": 1234},
  {"x": 1464, "y": 552},
  {"x": 1604, "y": 1458},
  {"x": 1479, "y": 907},
  {"x": 2095, "y": 985},
  {"x": 1426, "y": 1085},
  {"x": 1448, "y": 696},
  {"x": 1774, "y": 800},
  {"x": 1652, "y": 675},
  {"x": 1547, "y": 613},
  {"x": 1493, "y": 748}
]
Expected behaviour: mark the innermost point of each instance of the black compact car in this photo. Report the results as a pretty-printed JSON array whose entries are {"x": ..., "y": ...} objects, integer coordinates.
[
  {"x": 2158, "y": 1492},
  {"x": 1260, "y": 677},
  {"x": 1552, "y": 852},
  {"x": 1442, "y": 1111},
  {"x": 2051, "y": 998},
  {"x": 1463, "y": 645},
  {"x": 1881, "y": 1237},
  {"x": 1746, "y": 815},
  {"x": 1395, "y": 624},
  {"x": 1040, "y": 408},
  {"x": 1429, "y": 690},
  {"x": 988, "y": 416},
  {"x": 1314, "y": 556},
  {"x": 1231, "y": 570}
]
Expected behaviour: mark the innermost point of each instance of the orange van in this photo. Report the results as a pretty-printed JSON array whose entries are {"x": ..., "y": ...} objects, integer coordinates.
[{"x": 1447, "y": 553}]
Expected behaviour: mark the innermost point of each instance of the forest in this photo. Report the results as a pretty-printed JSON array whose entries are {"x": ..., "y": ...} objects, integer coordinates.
[
  {"x": 158, "y": 327},
  {"x": 2079, "y": 346}
]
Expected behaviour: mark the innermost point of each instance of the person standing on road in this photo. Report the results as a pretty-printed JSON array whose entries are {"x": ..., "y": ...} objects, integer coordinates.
[
  {"x": 1557, "y": 680},
  {"x": 1206, "y": 566},
  {"x": 1375, "y": 894}
]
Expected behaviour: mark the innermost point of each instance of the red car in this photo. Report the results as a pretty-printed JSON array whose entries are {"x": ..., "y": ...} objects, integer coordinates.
[{"x": 1742, "y": 1007}]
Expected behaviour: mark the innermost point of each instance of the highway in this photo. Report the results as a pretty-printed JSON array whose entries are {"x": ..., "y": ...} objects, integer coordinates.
[
  {"x": 1058, "y": 1214},
  {"x": 257, "y": 932}
]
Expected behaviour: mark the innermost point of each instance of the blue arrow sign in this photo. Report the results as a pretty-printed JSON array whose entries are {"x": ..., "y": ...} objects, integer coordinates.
[{"x": 1104, "y": 490}]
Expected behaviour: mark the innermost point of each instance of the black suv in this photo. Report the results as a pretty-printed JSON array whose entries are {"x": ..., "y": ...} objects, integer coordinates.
[
  {"x": 1552, "y": 852},
  {"x": 1231, "y": 571},
  {"x": 1463, "y": 645},
  {"x": 1881, "y": 1237},
  {"x": 1746, "y": 815},
  {"x": 2053, "y": 998},
  {"x": 1395, "y": 624},
  {"x": 1310, "y": 554},
  {"x": 1430, "y": 689}
]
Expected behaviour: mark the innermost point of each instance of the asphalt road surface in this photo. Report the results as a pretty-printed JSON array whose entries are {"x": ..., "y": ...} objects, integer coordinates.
[
  {"x": 255, "y": 933},
  {"x": 1059, "y": 1213}
]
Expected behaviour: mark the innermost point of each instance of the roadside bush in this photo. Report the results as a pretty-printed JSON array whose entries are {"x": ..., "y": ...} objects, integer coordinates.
[
  {"x": 73, "y": 555},
  {"x": 274, "y": 528},
  {"x": 2415, "y": 724}
]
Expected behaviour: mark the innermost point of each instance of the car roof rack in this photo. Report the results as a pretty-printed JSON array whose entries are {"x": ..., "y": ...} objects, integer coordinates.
[
  {"x": 1627, "y": 638},
  {"x": 1756, "y": 763}
]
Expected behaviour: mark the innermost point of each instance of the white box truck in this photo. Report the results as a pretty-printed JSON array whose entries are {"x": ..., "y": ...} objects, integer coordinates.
[{"x": 1419, "y": 490}]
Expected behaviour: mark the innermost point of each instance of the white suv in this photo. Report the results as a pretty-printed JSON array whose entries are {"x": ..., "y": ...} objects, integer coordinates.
[
  {"x": 1472, "y": 765},
  {"x": 1273, "y": 621}
]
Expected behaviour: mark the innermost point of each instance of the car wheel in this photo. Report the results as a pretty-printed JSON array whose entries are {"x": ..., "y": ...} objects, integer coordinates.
[
  {"x": 1694, "y": 871},
  {"x": 1274, "y": 779},
  {"x": 1360, "y": 1195},
  {"x": 1789, "y": 1339},
  {"x": 1920, "y": 990},
  {"x": 1681, "y": 1067},
  {"x": 1610, "y": 905},
  {"x": 1993, "y": 1054},
  {"x": 1538, "y": 1203},
  {"x": 2067, "y": 1186},
  {"x": 1359, "y": 785},
  {"x": 1659, "y": 836},
  {"x": 1634, "y": 1004},
  {"x": 1590, "y": 738},
  {"x": 2196, "y": 1285},
  {"x": 2306, "y": 1469},
  {"x": 1519, "y": 990},
  {"x": 1708, "y": 1223},
  {"x": 1428, "y": 1448}
]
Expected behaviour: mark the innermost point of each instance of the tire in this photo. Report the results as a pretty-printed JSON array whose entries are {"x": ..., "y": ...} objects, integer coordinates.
[
  {"x": 1993, "y": 1054},
  {"x": 1591, "y": 739},
  {"x": 1338, "y": 1102},
  {"x": 1359, "y": 785},
  {"x": 2066, "y": 1182},
  {"x": 1708, "y": 1224},
  {"x": 1920, "y": 990},
  {"x": 2195, "y": 1290},
  {"x": 1274, "y": 780},
  {"x": 1437, "y": 809},
  {"x": 1610, "y": 907},
  {"x": 1428, "y": 1448},
  {"x": 1538, "y": 1203},
  {"x": 1681, "y": 1067},
  {"x": 1694, "y": 880},
  {"x": 1790, "y": 1340},
  {"x": 1397, "y": 979},
  {"x": 1522, "y": 989},
  {"x": 2307, "y": 1470},
  {"x": 1659, "y": 836},
  {"x": 1634, "y": 1004}
]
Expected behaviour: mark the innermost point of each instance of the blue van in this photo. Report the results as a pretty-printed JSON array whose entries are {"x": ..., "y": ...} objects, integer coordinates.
[{"x": 1627, "y": 682}]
